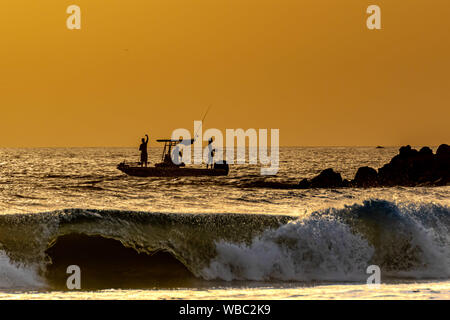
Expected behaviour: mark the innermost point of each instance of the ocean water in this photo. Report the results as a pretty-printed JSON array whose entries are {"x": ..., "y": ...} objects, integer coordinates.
[{"x": 215, "y": 237}]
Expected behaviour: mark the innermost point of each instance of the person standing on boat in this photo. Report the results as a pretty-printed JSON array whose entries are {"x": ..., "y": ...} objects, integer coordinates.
[
  {"x": 177, "y": 156},
  {"x": 177, "y": 152},
  {"x": 211, "y": 152},
  {"x": 143, "y": 150}
]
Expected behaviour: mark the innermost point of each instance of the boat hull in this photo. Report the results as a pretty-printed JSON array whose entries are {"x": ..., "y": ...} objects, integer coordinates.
[{"x": 137, "y": 171}]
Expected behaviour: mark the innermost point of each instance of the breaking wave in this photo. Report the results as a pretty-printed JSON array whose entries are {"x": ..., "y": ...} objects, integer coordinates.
[
  {"x": 406, "y": 240},
  {"x": 16, "y": 276}
]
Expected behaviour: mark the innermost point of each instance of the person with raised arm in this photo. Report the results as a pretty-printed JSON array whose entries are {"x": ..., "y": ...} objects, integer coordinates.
[{"x": 143, "y": 150}]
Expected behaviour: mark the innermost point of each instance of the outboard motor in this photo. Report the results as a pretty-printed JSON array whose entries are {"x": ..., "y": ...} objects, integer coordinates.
[{"x": 222, "y": 165}]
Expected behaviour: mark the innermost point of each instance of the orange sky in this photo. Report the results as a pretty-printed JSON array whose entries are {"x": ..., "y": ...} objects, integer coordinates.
[{"x": 308, "y": 67}]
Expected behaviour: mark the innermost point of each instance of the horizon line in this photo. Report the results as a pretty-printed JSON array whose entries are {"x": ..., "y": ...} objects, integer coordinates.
[{"x": 283, "y": 146}]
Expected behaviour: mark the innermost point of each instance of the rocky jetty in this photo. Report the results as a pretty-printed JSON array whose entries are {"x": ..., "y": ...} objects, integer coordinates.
[
  {"x": 409, "y": 168},
  {"x": 326, "y": 179}
]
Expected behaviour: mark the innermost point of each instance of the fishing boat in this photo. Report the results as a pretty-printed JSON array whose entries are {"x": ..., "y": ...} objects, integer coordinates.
[{"x": 166, "y": 168}]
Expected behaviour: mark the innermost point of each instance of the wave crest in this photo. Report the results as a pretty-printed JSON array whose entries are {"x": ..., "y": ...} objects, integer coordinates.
[{"x": 404, "y": 240}]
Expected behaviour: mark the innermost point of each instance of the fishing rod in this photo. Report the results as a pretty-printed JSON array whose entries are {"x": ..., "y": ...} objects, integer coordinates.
[{"x": 203, "y": 119}]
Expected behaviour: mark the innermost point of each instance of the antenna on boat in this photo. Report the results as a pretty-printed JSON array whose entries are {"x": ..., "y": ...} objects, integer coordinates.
[{"x": 203, "y": 119}]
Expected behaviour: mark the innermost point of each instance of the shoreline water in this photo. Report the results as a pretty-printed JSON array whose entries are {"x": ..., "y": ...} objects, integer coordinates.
[{"x": 423, "y": 290}]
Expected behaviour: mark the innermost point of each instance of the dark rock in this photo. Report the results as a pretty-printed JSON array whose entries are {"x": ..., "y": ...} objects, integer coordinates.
[
  {"x": 441, "y": 182},
  {"x": 304, "y": 184},
  {"x": 366, "y": 177},
  {"x": 426, "y": 150},
  {"x": 398, "y": 171},
  {"x": 327, "y": 179},
  {"x": 409, "y": 168},
  {"x": 442, "y": 164},
  {"x": 404, "y": 151},
  {"x": 421, "y": 167},
  {"x": 443, "y": 151},
  {"x": 407, "y": 152}
]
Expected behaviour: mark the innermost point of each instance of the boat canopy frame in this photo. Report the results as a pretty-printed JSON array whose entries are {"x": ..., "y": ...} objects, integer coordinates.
[{"x": 169, "y": 143}]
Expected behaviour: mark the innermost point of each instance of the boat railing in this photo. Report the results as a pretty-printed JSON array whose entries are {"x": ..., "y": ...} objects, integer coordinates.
[{"x": 130, "y": 163}]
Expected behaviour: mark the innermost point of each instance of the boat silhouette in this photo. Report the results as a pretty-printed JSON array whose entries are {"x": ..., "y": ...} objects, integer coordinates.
[{"x": 167, "y": 168}]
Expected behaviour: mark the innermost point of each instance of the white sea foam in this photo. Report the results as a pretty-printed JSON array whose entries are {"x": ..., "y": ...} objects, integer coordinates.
[
  {"x": 406, "y": 241},
  {"x": 302, "y": 250},
  {"x": 13, "y": 276}
]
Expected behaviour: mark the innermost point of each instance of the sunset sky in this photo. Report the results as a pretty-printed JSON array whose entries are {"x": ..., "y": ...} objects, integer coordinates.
[{"x": 310, "y": 68}]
